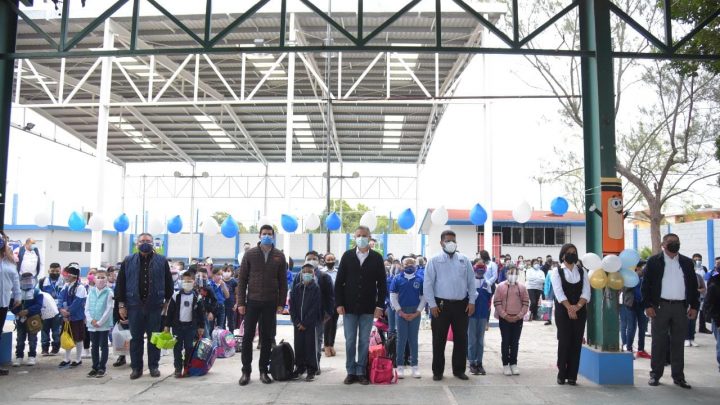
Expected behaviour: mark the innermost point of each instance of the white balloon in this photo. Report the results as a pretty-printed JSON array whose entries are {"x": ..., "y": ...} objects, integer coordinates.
[
  {"x": 439, "y": 216},
  {"x": 42, "y": 219},
  {"x": 210, "y": 226},
  {"x": 312, "y": 222},
  {"x": 264, "y": 221},
  {"x": 591, "y": 261},
  {"x": 156, "y": 227},
  {"x": 611, "y": 263},
  {"x": 369, "y": 219},
  {"x": 522, "y": 212},
  {"x": 96, "y": 223}
]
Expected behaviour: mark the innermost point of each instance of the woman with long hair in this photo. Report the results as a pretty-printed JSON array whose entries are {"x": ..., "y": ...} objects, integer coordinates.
[{"x": 9, "y": 283}]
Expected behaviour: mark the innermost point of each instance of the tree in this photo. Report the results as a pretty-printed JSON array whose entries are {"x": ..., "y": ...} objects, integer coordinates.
[
  {"x": 351, "y": 218},
  {"x": 221, "y": 216},
  {"x": 663, "y": 151},
  {"x": 692, "y": 13}
]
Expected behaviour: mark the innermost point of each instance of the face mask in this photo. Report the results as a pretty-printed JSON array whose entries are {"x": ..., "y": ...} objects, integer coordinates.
[
  {"x": 201, "y": 282},
  {"x": 362, "y": 242},
  {"x": 175, "y": 276},
  {"x": 227, "y": 275},
  {"x": 313, "y": 263},
  {"x": 409, "y": 269},
  {"x": 330, "y": 265},
  {"x": 27, "y": 284},
  {"x": 54, "y": 276},
  {"x": 571, "y": 258},
  {"x": 673, "y": 247},
  {"x": 307, "y": 277},
  {"x": 480, "y": 274},
  {"x": 100, "y": 283},
  {"x": 536, "y": 266},
  {"x": 145, "y": 247},
  {"x": 91, "y": 278},
  {"x": 450, "y": 247},
  {"x": 187, "y": 286},
  {"x": 266, "y": 240},
  {"x": 387, "y": 268},
  {"x": 698, "y": 263},
  {"x": 512, "y": 278}
]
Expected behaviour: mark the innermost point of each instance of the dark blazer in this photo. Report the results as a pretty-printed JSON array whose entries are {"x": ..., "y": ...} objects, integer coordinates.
[
  {"x": 652, "y": 282},
  {"x": 327, "y": 293},
  {"x": 360, "y": 289}
]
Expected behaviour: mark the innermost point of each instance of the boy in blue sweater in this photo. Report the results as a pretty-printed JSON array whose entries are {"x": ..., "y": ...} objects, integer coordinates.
[
  {"x": 72, "y": 308},
  {"x": 477, "y": 323},
  {"x": 305, "y": 313},
  {"x": 221, "y": 294},
  {"x": 406, "y": 298},
  {"x": 30, "y": 306}
]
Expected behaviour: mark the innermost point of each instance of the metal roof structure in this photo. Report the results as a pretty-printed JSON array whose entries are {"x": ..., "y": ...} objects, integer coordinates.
[{"x": 385, "y": 106}]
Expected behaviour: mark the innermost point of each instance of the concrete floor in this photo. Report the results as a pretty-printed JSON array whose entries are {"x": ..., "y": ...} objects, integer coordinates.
[{"x": 535, "y": 385}]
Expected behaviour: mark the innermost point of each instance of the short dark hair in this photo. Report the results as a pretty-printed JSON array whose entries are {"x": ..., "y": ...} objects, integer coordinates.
[
  {"x": 145, "y": 234},
  {"x": 201, "y": 270},
  {"x": 446, "y": 233},
  {"x": 697, "y": 255},
  {"x": 189, "y": 274},
  {"x": 54, "y": 265},
  {"x": 267, "y": 227},
  {"x": 312, "y": 252},
  {"x": 670, "y": 235},
  {"x": 485, "y": 255},
  {"x": 217, "y": 270}
]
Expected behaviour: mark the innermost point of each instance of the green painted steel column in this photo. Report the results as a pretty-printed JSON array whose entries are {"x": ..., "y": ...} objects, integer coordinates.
[
  {"x": 599, "y": 147},
  {"x": 8, "y": 20}
]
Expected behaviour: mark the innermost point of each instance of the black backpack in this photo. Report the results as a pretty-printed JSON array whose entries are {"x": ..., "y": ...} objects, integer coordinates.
[
  {"x": 391, "y": 347},
  {"x": 282, "y": 358}
]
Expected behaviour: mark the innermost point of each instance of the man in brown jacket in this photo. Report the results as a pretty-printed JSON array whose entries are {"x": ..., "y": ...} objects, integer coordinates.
[{"x": 261, "y": 294}]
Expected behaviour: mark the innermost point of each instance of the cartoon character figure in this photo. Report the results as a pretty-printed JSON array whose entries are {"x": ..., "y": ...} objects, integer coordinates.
[{"x": 613, "y": 226}]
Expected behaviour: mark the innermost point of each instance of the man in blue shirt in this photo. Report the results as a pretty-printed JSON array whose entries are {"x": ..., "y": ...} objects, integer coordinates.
[{"x": 449, "y": 288}]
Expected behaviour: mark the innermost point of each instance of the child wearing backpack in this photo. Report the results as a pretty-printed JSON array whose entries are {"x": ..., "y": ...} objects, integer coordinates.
[
  {"x": 27, "y": 319},
  {"x": 98, "y": 318},
  {"x": 72, "y": 307},
  {"x": 186, "y": 317},
  {"x": 406, "y": 298},
  {"x": 305, "y": 313}
]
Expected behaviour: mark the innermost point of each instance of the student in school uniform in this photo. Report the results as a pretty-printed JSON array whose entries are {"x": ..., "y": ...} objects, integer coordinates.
[{"x": 406, "y": 298}]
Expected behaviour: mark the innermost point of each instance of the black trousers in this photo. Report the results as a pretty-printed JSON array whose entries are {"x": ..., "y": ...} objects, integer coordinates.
[
  {"x": 305, "y": 350},
  {"x": 570, "y": 334},
  {"x": 670, "y": 320},
  {"x": 701, "y": 320},
  {"x": 510, "y": 333},
  {"x": 330, "y": 330},
  {"x": 534, "y": 300},
  {"x": 452, "y": 313},
  {"x": 262, "y": 315}
]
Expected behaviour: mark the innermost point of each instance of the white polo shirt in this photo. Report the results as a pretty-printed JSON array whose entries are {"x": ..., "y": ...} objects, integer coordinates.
[{"x": 673, "y": 281}]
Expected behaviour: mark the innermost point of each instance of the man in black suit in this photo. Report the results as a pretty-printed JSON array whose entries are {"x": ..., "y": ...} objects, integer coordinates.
[{"x": 670, "y": 296}]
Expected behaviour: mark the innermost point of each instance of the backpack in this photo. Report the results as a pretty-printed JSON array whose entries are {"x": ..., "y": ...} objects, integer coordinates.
[
  {"x": 202, "y": 359},
  {"x": 49, "y": 307},
  {"x": 391, "y": 348},
  {"x": 224, "y": 341},
  {"x": 382, "y": 371},
  {"x": 282, "y": 358},
  {"x": 375, "y": 338}
]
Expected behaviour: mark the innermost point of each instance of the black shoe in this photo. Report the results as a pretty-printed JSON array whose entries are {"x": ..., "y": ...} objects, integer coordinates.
[
  {"x": 44, "y": 353},
  {"x": 481, "y": 370},
  {"x": 100, "y": 374},
  {"x": 561, "y": 381},
  {"x": 474, "y": 370},
  {"x": 548, "y": 323},
  {"x": 155, "y": 373},
  {"x": 682, "y": 383},
  {"x": 119, "y": 362},
  {"x": 4, "y": 372},
  {"x": 295, "y": 375},
  {"x": 244, "y": 379},
  {"x": 310, "y": 377},
  {"x": 92, "y": 373},
  {"x": 135, "y": 374},
  {"x": 64, "y": 364},
  {"x": 572, "y": 382},
  {"x": 318, "y": 372},
  {"x": 462, "y": 376},
  {"x": 437, "y": 377},
  {"x": 177, "y": 373},
  {"x": 705, "y": 331},
  {"x": 265, "y": 378},
  {"x": 54, "y": 351},
  {"x": 363, "y": 380},
  {"x": 653, "y": 382},
  {"x": 75, "y": 364},
  {"x": 350, "y": 379}
]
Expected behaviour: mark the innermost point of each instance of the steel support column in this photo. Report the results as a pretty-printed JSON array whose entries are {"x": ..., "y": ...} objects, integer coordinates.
[
  {"x": 289, "y": 127},
  {"x": 8, "y": 20},
  {"x": 599, "y": 148}
]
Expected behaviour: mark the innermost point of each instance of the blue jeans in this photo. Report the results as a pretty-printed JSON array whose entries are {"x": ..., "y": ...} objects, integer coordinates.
[
  {"x": 51, "y": 328},
  {"x": 633, "y": 319},
  {"x": 716, "y": 332},
  {"x": 357, "y": 339},
  {"x": 185, "y": 334},
  {"x": 22, "y": 335},
  {"x": 476, "y": 340},
  {"x": 392, "y": 324},
  {"x": 143, "y": 322},
  {"x": 99, "y": 351},
  {"x": 407, "y": 332}
]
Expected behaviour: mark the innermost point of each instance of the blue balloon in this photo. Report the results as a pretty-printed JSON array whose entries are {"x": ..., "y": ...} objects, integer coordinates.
[
  {"x": 175, "y": 224},
  {"x": 478, "y": 215},
  {"x": 288, "y": 222},
  {"x": 333, "y": 221},
  {"x": 122, "y": 223},
  {"x": 559, "y": 206},
  {"x": 629, "y": 258},
  {"x": 76, "y": 222},
  {"x": 630, "y": 278},
  {"x": 406, "y": 219},
  {"x": 229, "y": 228}
]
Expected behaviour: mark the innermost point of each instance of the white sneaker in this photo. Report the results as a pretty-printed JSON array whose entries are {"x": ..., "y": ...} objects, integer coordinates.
[
  {"x": 687, "y": 343},
  {"x": 507, "y": 370},
  {"x": 514, "y": 369},
  {"x": 30, "y": 361},
  {"x": 401, "y": 372},
  {"x": 415, "y": 372},
  {"x": 693, "y": 344},
  {"x": 17, "y": 362}
]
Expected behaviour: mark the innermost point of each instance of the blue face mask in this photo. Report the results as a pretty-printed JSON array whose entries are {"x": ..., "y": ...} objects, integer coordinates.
[
  {"x": 146, "y": 247},
  {"x": 307, "y": 277},
  {"x": 409, "y": 269},
  {"x": 266, "y": 240}
]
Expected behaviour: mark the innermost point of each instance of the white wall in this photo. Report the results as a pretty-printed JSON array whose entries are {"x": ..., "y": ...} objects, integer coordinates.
[{"x": 693, "y": 238}]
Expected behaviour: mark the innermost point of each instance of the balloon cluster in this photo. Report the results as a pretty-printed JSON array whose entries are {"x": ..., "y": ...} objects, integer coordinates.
[{"x": 613, "y": 271}]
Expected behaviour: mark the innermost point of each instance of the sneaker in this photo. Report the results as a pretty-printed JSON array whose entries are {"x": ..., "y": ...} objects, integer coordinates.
[
  {"x": 17, "y": 362},
  {"x": 64, "y": 364},
  {"x": 643, "y": 354},
  {"x": 474, "y": 370},
  {"x": 687, "y": 343},
  {"x": 481, "y": 370},
  {"x": 75, "y": 364},
  {"x": 310, "y": 377},
  {"x": 54, "y": 351},
  {"x": 92, "y": 374},
  {"x": 514, "y": 369},
  {"x": 100, "y": 374},
  {"x": 507, "y": 370},
  {"x": 693, "y": 344},
  {"x": 401, "y": 372},
  {"x": 416, "y": 372},
  {"x": 45, "y": 353},
  {"x": 30, "y": 361}
]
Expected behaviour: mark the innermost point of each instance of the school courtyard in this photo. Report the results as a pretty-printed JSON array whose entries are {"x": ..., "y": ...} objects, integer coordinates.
[{"x": 44, "y": 383}]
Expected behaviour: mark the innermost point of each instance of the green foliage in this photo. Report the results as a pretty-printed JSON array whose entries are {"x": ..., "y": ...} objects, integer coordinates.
[
  {"x": 645, "y": 252},
  {"x": 351, "y": 218},
  {"x": 691, "y": 13},
  {"x": 221, "y": 216}
]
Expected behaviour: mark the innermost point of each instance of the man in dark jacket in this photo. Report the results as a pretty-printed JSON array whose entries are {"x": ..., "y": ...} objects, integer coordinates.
[
  {"x": 261, "y": 294},
  {"x": 711, "y": 307},
  {"x": 143, "y": 290},
  {"x": 360, "y": 292},
  {"x": 670, "y": 295}
]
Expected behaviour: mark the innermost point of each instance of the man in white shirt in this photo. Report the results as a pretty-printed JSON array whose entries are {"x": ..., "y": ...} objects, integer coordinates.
[
  {"x": 29, "y": 258},
  {"x": 670, "y": 296}
]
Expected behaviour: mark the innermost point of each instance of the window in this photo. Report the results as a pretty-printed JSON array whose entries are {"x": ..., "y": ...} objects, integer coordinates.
[
  {"x": 517, "y": 236},
  {"x": 65, "y": 246},
  {"x": 506, "y": 236},
  {"x": 88, "y": 247},
  {"x": 534, "y": 236}
]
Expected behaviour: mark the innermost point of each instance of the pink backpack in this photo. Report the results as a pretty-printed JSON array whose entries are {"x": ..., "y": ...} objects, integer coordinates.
[
  {"x": 382, "y": 371},
  {"x": 375, "y": 338}
]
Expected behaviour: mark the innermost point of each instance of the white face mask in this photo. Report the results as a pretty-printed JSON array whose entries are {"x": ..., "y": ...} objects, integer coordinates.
[
  {"x": 314, "y": 263},
  {"x": 188, "y": 286},
  {"x": 362, "y": 242},
  {"x": 450, "y": 247},
  {"x": 512, "y": 278}
]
